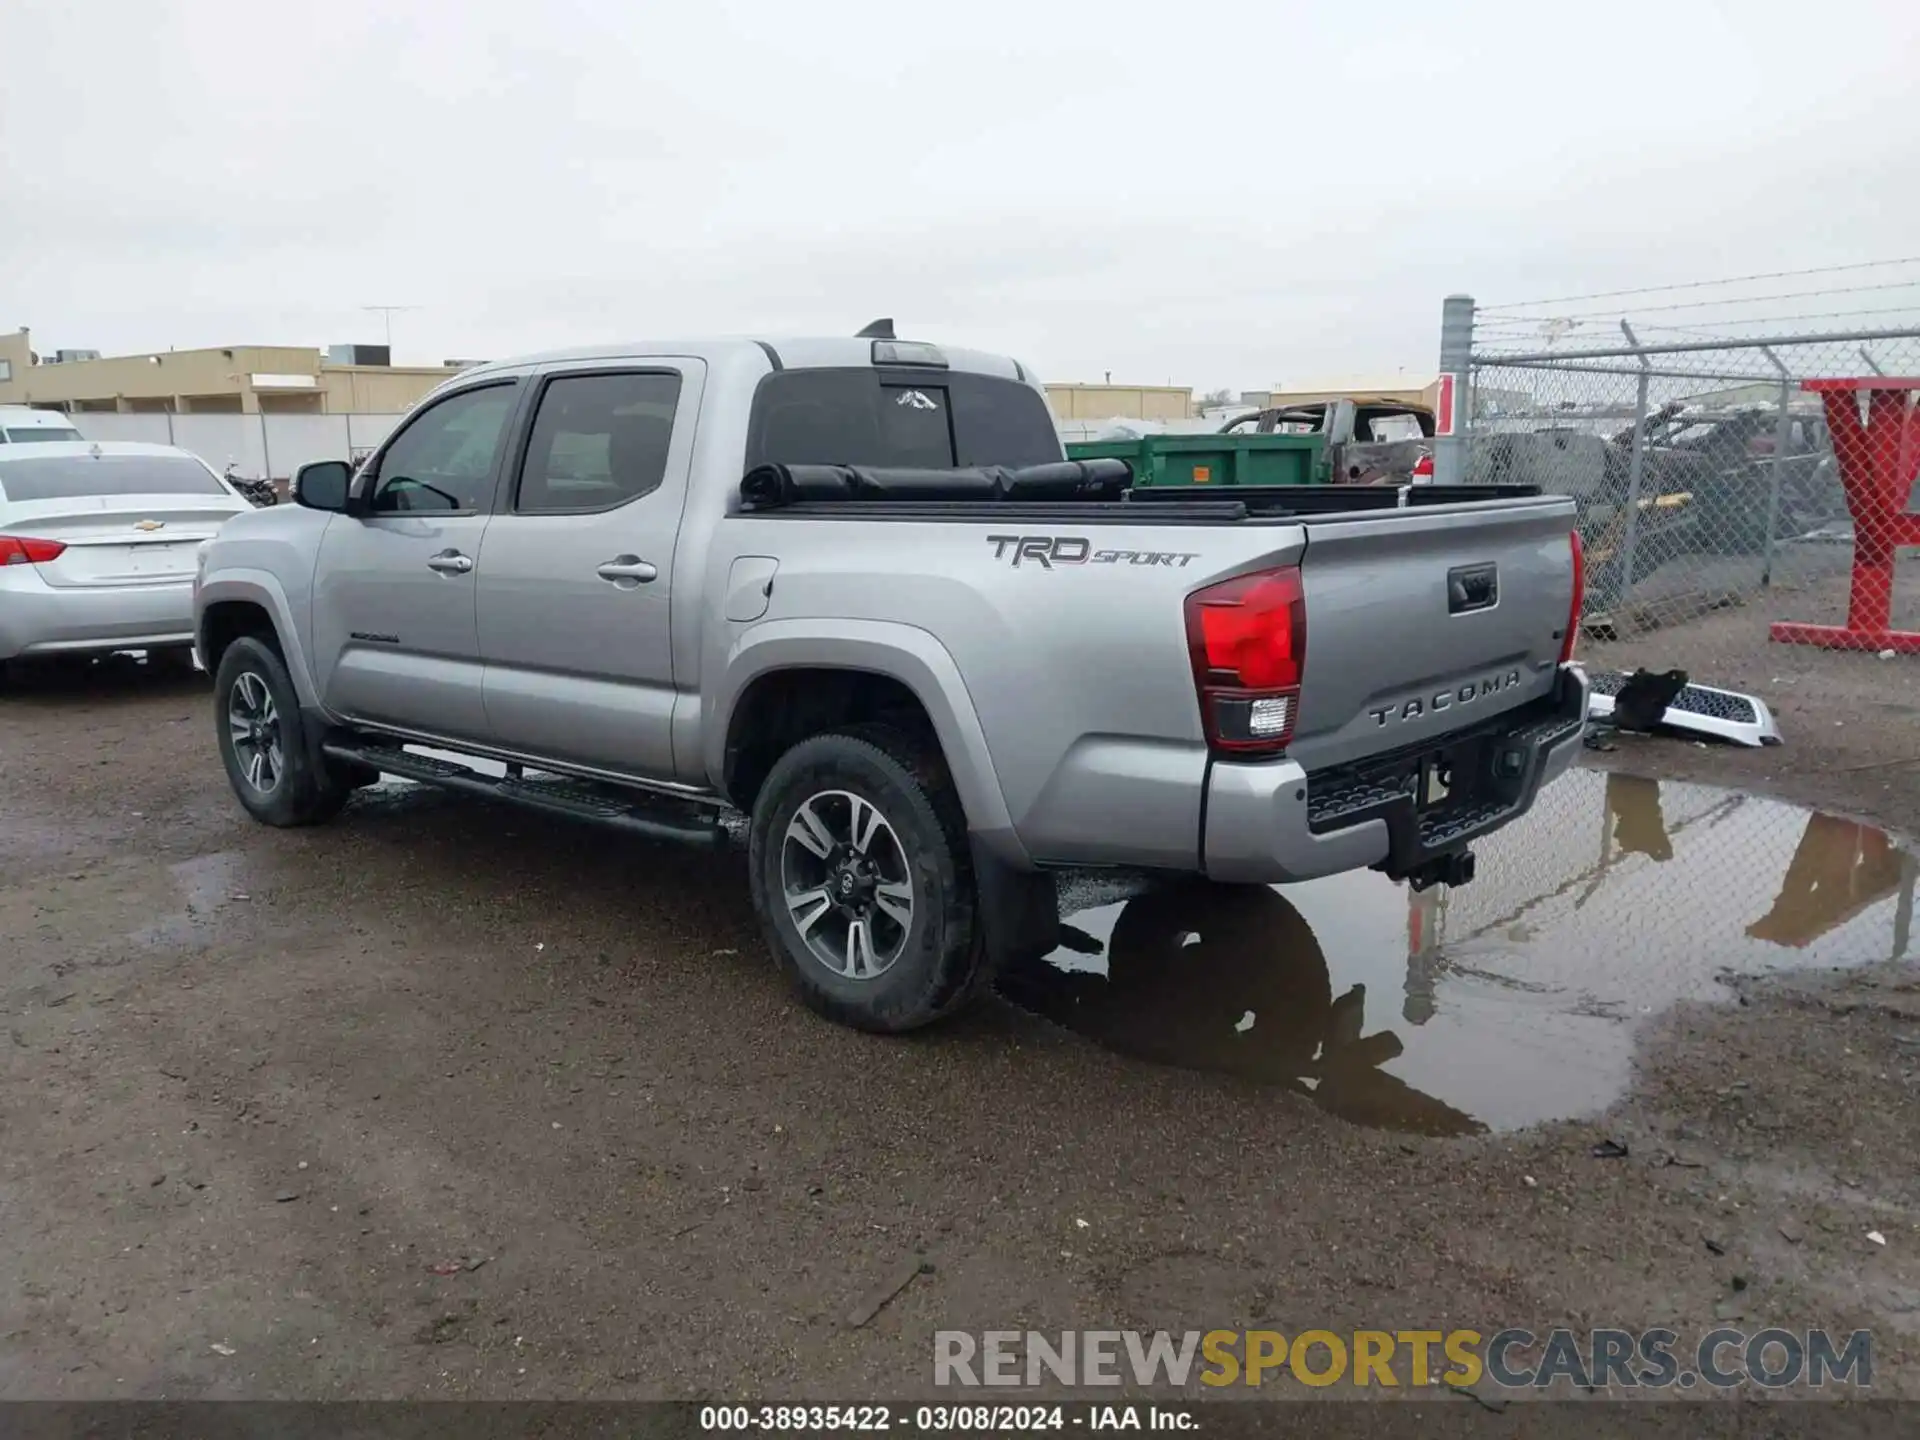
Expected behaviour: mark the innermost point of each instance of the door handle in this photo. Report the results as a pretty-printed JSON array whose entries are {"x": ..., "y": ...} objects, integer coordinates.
[
  {"x": 450, "y": 562},
  {"x": 627, "y": 567}
]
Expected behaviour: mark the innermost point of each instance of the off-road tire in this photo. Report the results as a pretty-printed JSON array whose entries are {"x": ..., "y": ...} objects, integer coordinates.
[
  {"x": 303, "y": 793},
  {"x": 943, "y": 964}
]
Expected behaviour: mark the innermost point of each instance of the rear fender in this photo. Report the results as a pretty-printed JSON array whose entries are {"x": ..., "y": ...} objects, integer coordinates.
[{"x": 904, "y": 653}]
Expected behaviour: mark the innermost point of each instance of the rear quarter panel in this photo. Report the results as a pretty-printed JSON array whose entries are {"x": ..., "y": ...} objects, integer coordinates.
[{"x": 1076, "y": 665}]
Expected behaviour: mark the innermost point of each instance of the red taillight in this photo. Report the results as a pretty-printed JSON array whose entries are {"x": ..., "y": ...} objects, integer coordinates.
[
  {"x": 25, "y": 550},
  {"x": 1248, "y": 640},
  {"x": 1579, "y": 596},
  {"x": 1423, "y": 469}
]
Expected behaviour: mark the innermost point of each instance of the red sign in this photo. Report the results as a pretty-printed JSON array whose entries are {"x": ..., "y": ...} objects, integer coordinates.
[{"x": 1443, "y": 407}]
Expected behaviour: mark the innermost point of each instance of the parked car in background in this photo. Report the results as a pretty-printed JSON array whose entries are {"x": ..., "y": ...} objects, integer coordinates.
[
  {"x": 23, "y": 425},
  {"x": 98, "y": 544},
  {"x": 1369, "y": 440}
]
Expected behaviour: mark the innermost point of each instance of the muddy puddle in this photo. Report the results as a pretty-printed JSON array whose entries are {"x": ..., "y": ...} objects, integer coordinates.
[{"x": 1503, "y": 1003}]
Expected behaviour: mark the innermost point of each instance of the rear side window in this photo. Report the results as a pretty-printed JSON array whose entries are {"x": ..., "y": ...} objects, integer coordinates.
[
  {"x": 39, "y": 434},
  {"x": 598, "y": 441},
  {"x": 74, "y": 477},
  {"x": 882, "y": 419}
]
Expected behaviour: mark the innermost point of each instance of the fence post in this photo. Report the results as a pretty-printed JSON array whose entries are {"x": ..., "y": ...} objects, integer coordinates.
[
  {"x": 266, "y": 453},
  {"x": 1456, "y": 360},
  {"x": 1903, "y": 907},
  {"x": 1636, "y": 467},
  {"x": 1782, "y": 432}
]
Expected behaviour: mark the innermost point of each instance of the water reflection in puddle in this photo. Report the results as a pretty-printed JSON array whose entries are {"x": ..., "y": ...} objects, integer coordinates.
[{"x": 1500, "y": 1004}]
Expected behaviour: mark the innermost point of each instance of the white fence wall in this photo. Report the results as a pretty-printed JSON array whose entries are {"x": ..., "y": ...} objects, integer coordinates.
[
  {"x": 274, "y": 446},
  {"x": 269, "y": 446}
]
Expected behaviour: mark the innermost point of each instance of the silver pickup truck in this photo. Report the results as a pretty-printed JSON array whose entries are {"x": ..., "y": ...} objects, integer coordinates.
[{"x": 851, "y": 588}]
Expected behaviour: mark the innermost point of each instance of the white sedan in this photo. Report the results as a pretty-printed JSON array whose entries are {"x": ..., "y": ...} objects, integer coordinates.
[{"x": 98, "y": 546}]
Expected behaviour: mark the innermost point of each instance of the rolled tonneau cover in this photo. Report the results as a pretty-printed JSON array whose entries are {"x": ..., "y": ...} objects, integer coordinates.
[{"x": 768, "y": 487}]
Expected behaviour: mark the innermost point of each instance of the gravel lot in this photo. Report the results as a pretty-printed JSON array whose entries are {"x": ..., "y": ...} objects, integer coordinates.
[{"x": 446, "y": 1100}]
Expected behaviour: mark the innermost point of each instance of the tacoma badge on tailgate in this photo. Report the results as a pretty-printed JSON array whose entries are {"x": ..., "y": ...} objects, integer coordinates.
[{"x": 1446, "y": 699}]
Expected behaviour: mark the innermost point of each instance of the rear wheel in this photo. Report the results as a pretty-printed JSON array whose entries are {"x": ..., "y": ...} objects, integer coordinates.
[
  {"x": 263, "y": 740},
  {"x": 863, "y": 880}
]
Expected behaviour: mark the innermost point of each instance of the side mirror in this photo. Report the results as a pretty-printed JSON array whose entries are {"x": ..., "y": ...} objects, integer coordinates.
[{"x": 322, "y": 485}]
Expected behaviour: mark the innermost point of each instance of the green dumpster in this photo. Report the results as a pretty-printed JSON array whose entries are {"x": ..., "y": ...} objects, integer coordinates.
[{"x": 1223, "y": 460}]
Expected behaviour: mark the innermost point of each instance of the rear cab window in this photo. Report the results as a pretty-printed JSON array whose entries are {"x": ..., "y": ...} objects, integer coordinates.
[
  {"x": 74, "y": 477},
  {"x": 901, "y": 419},
  {"x": 38, "y": 434}
]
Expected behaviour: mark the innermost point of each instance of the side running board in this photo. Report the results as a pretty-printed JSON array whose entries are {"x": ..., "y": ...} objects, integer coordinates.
[{"x": 646, "y": 816}]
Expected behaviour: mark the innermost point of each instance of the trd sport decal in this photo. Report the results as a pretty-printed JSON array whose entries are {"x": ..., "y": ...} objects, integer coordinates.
[{"x": 1048, "y": 551}]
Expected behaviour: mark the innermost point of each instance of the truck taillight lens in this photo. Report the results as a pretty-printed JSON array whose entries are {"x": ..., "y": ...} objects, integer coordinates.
[
  {"x": 1248, "y": 640},
  {"x": 1572, "y": 636},
  {"x": 25, "y": 550},
  {"x": 1423, "y": 470}
]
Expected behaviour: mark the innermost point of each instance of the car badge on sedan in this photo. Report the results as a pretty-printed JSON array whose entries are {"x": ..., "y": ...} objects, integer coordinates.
[{"x": 151, "y": 525}]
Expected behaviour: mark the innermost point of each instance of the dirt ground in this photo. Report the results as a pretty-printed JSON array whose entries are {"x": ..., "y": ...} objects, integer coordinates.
[
  {"x": 1851, "y": 720},
  {"x": 444, "y": 1100}
]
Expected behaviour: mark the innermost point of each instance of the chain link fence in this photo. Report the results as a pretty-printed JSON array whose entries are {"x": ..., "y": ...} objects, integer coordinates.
[{"x": 1731, "y": 492}]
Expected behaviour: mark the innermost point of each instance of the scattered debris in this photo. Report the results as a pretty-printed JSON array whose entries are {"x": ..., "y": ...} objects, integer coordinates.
[
  {"x": 1876, "y": 1237},
  {"x": 1886, "y": 655},
  {"x": 1081, "y": 1224},
  {"x": 878, "y": 1298},
  {"x": 283, "y": 1196},
  {"x": 476, "y": 1261},
  {"x": 1791, "y": 1232},
  {"x": 1645, "y": 697},
  {"x": 1739, "y": 1282},
  {"x": 157, "y": 1181},
  {"x": 441, "y": 1330},
  {"x": 1609, "y": 1150},
  {"x": 220, "y": 1347},
  {"x": 1483, "y": 1401},
  {"x": 1530, "y": 1182},
  {"x": 447, "y": 1267},
  {"x": 1714, "y": 1247}
]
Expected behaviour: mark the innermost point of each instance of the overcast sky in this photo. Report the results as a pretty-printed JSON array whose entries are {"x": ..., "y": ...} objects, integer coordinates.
[{"x": 1219, "y": 194}]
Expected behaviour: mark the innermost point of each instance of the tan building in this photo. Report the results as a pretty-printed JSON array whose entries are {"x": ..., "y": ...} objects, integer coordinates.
[
  {"x": 241, "y": 380},
  {"x": 1120, "y": 402},
  {"x": 1396, "y": 390}
]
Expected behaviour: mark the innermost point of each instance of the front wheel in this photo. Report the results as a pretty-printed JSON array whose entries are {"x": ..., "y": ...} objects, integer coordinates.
[
  {"x": 263, "y": 740},
  {"x": 863, "y": 880}
]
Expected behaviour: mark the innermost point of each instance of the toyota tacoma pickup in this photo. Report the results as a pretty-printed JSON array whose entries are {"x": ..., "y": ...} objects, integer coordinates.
[{"x": 852, "y": 590}]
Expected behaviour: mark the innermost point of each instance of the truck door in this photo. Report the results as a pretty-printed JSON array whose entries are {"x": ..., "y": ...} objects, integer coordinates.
[
  {"x": 393, "y": 600},
  {"x": 576, "y": 569}
]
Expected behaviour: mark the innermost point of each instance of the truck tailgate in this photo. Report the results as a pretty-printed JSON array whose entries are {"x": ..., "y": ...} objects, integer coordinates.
[{"x": 1420, "y": 622}]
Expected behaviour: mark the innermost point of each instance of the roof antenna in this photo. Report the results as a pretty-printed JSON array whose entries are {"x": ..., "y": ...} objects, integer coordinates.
[{"x": 878, "y": 330}]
